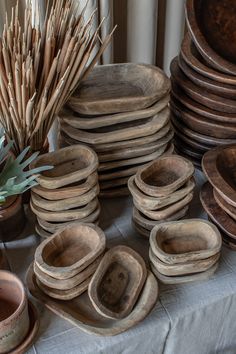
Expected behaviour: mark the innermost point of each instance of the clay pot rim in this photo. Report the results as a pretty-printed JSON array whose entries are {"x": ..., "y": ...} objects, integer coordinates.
[{"x": 12, "y": 277}]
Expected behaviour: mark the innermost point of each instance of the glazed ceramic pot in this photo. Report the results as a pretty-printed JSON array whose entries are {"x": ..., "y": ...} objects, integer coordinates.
[
  {"x": 14, "y": 316},
  {"x": 12, "y": 218}
]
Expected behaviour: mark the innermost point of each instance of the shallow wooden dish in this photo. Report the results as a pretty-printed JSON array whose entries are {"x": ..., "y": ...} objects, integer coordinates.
[
  {"x": 187, "y": 150},
  {"x": 184, "y": 241},
  {"x": 164, "y": 175},
  {"x": 141, "y": 230},
  {"x": 219, "y": 167},
  {"x": 119, "y": 88},
  {"x": 196, "y": 62},
  {"x": 122, "y": 172},
  {"x": 80, "y": 311},
  {"x": 181, "y": 279},
  {"x": 41, "y": 232},
  {"x": 191, "y": 267},
  {"x": 71, "y": 164},
  {"x": 70, "y": 191},
  {"x": 139, "y": 129},
  {"x": 113, "y": 183},
  {"x": 228, "y": 208},
  {"x": 190, "y": 142},
  {"x": 195, "y": 162},
  {"x": 70, "y": 250},
  {"x": 223, "y": 221},
  {"x": 92, "y": 122},
  {"x": 199, "y": 95},
  {"x": 208, "y": 23},
  {"x": 117, "y": 282},
  {"x": 155, "y": 203},
  {"x": 166, "y": 212}
]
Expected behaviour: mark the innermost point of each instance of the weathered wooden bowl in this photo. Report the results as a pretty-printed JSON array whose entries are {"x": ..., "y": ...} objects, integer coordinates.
[
  {"x": 188, "y": 154},
  {"x": 212, "y": 26},
  {"x": 190, "y": 142},
  {"x": 71, "y": 164},
  {"x": 120, "y": 88},
  {"x": 119, "y": 182},
  {"x": 164, "y": 175},
  {"x": 41, "y": 232},
  {"x": 14, "y": 316},
  {"x": 69, "y": 191},
  {"x": 117, "y": 282},
  {"x": 228, "y": 208},
  {"x": 219, "y": 167},
  {"x": 186, "y": 149},
  {"x": 191, "y": 267},
  {"x": 70, "y": 250},
  {"x": 141, "y": 230},
  {"x": 184, "y": 241}
]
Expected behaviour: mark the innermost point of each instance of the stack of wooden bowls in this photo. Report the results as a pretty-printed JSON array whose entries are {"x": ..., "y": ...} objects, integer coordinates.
[
  {"x": 162, "y": 191},
  {"x": 203, "y": 104},
  {"x": 218, "y": 196},
  {"x": 121, "y": 111},
  {"x": 67, "y": 192},
  {"x": 184, "y": 251},
  {"x": 64, "y": 263}
]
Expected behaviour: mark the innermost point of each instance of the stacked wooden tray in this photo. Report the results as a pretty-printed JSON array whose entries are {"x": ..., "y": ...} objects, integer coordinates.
[
  {"x": 203, "y": 105},
  {"x": 121, "y": 111},
  {"x": 184, "y": 251},
  {"x": 68, "y": 192},
  {"x": 161, "y": 191},
  {"x": 218, "y": 196}
]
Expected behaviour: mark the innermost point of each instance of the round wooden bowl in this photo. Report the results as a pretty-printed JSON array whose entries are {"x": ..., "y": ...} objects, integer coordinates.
[
  {"x": 164, "y": 175},
  {"x": 71, "y": 164},
  {"x": 207, "y": 23}
]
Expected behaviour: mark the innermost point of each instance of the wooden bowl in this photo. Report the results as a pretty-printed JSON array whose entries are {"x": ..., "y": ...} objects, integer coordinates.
[
  {"x": 120, "y": 88},
  {"x": 70, "y": 250},
  {"x": 191, "y": 267},
  {"x": 190, "y": 142},
  {"x": 141, "y": 230},
  {"x": 71, "y": 164},
  {"x": 196, "y": 162},
  {"x": 187, "y": 150},
  {"x": 212, "y": 25},
  {"x": 117, "y": 282},
  {"x": 196, "y": 62},
  {"x": 14, "y": 316},
  {"x": 41, "y": 232},
  {"x": 228, "y": 208},
  {"x": 116, "y": 192},
  {"x": 223, "y": 221},
  {"x": 184, "y": 241},
  {"x": 219, "y": 167},
  {"x": 164, "y": 175}
]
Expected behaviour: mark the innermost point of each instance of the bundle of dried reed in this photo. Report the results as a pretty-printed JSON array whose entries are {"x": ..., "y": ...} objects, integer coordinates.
[{"x": 41, "y": 67}]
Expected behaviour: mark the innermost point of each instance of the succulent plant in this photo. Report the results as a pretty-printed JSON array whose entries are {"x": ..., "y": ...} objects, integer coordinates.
[{"x": 13, "y": 178}]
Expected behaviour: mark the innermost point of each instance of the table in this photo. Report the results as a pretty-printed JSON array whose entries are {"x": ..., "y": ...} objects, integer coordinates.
[{"x": 196, "y": 318}]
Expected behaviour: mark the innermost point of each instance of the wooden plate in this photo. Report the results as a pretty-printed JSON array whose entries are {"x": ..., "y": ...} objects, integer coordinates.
[
  {"x": 188, "y": 150},
  {"x": 120, "y": 88},
  {"x": 228, "y": 208},
  {"x": 185, "y": 140},
  {"x": 212, "y": 26},
  {"x": 195, "y": 162},
  {"x": 80, "y": 311}
]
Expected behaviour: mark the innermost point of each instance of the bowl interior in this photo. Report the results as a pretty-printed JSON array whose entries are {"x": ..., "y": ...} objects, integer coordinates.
[
  {"x": 11, "y": 297},
  {"x": 217, "y": 22},
  {"x": 226, "y": 165},
  {"x": 185, "y": 238},
  {"x": 70, "y": 246}
]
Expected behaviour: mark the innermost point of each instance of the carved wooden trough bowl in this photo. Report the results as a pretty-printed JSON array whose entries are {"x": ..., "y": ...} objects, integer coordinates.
[
  {"x": 120, "y": 88},
  {"x": 70, "y": 250},
  {"x": 71, "y": 164},
  {"x": 164, "y": 175},
  {"x": 212, "y": 25}
]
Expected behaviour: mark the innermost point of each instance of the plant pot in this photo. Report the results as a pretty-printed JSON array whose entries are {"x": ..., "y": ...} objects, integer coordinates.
[{"x": 12, "y": 218}]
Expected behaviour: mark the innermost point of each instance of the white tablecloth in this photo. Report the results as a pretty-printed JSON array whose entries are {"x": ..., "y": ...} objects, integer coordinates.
[{"x": 196, "y": 318}]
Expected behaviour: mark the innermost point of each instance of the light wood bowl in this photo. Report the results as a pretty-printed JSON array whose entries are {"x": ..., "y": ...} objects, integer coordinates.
[
  {"x": 70, "y": 250},
  {"x": 117, "y": 283}
]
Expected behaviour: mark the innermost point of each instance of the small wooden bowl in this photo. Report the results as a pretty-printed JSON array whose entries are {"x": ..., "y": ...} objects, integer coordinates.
[
  {"x": 117, "y": 283},
  {"x": 207, "y": 23},
  {"x": 219, "y": 166},
  {"x": 184, "y": 241},
  {"x": 164, "y": 175},
  {"x": 71, "y": 164},
  {"x": 70, "y": 250},
  {"x": 120, "y": 88}
]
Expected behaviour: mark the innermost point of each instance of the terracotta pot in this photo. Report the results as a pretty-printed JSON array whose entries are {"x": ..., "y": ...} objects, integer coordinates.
[
  {"x": 12, "y": 218},
  {"x": 14, "y": 316}
]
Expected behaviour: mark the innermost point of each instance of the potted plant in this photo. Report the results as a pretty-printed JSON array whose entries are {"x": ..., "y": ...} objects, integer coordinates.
[{"x": 15, "y": 179}]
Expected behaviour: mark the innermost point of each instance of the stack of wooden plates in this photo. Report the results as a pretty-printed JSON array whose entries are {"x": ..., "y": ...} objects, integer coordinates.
[
  {"x": 218, "y": 196},
  {"x": 184, "y": 251},
  {"x": 162, "y": 191},
  {"x": 68, "y": 192},
  {"x": 64, "y": 263},
  {"x": 203, "y": 103},
  {"x": 121, "y": 111}
]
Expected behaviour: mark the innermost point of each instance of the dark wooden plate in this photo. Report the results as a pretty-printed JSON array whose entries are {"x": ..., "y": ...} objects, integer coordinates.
[
  {"x": 196, "y": 162},
  {"x": 198, "y": 94},
  {"x": 186, "y": 149},
  {"x": 194, "y": 59},
  {"x": 218, "y": 215},
  {"x": 212, "y": 25},
  {"x": 229, "y": 209},
  {"x": 190, "y": 142}
]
